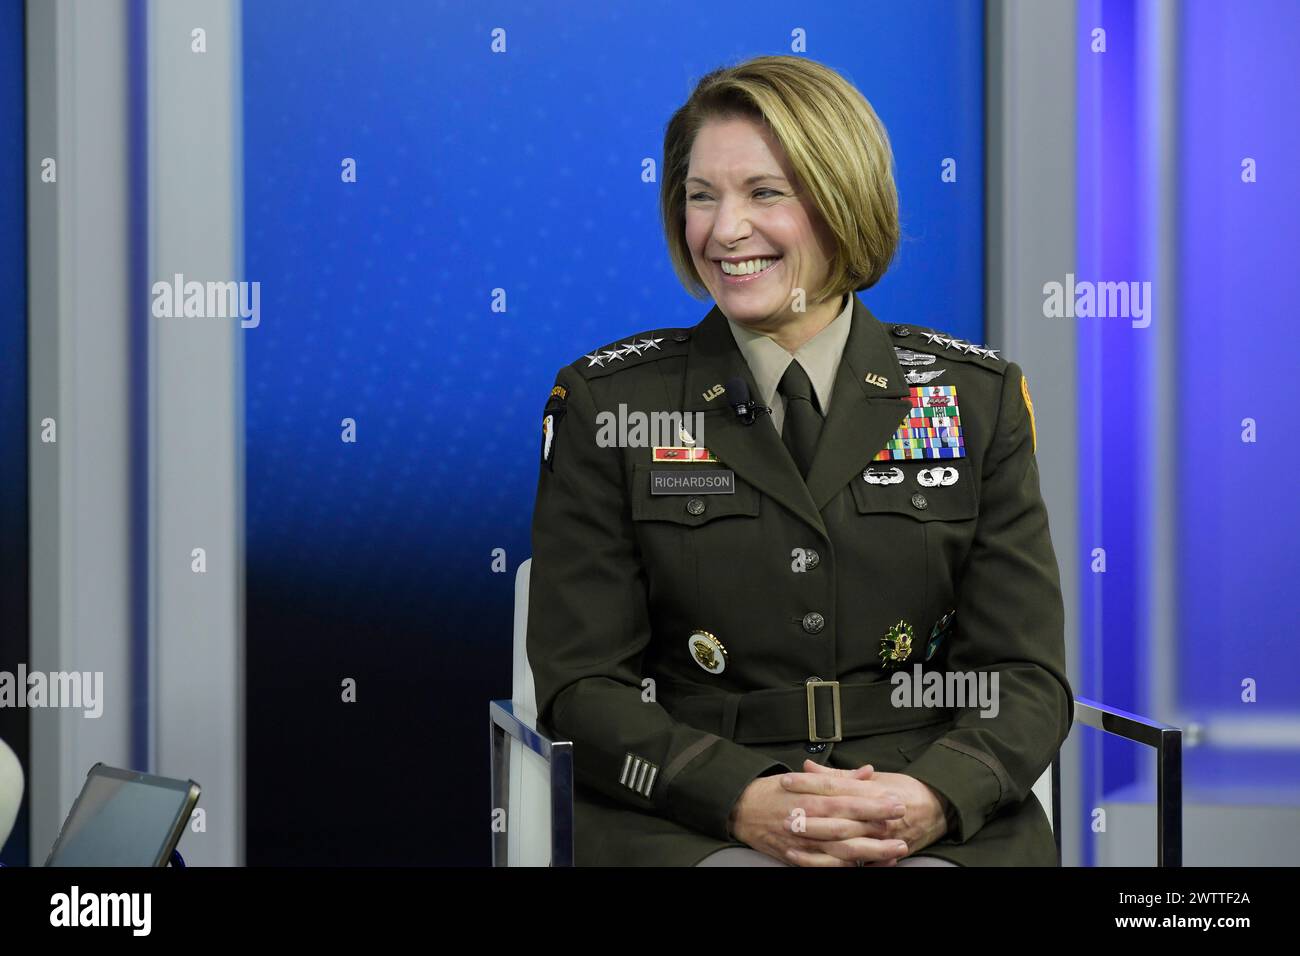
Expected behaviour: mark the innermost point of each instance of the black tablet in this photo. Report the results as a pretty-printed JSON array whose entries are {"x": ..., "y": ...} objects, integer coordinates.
[{"x": 124, "y": 818}]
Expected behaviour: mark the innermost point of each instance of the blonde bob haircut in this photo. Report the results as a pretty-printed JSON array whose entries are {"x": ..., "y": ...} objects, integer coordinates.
[{"x": 832, "y": 138}]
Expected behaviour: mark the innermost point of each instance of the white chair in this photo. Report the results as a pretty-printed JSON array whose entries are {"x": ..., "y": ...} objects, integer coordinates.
[
  {"x": 532, "y": 784},
  {"x": 11, "y": 790}
]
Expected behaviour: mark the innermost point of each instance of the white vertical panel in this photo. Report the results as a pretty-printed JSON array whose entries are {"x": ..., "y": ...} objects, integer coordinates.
[
  {"x": 79, "y": 335},
  {"x": 196, "y": 419},
  {"x": 1030, "y": 142}
]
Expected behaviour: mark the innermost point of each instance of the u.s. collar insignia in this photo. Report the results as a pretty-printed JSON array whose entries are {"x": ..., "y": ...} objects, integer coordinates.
[
  {"x": 707, "y": 651},
  {"x": 896, "y": 645}
]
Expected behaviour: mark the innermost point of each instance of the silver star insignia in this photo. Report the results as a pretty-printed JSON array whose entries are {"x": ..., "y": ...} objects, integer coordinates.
[
  {"x": 630, "y": 347},
  {"x": 944, "y": 340},
  {"x": 991, "y": 353},
  {"x": 611, "y": 354},
  {"x": 650, "y": 343},
  {"x": 931, "y": 336},
  {"x": 976, "y": 350},
  {"x": 595, "y": 360}
]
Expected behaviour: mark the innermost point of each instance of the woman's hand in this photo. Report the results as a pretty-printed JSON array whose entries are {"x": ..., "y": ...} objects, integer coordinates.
[
  {"x": 819, "y": 829},
  {"x": 838, "y": 810}
]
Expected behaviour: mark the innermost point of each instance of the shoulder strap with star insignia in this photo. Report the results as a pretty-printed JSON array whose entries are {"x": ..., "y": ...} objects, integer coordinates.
[
  {"x": 636, "y": 350},
  {"x": 914, "y": 338}
]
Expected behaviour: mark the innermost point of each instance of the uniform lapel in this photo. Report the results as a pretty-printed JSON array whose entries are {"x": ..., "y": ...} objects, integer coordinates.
[
  {"x": 754, "y": 452},
  {"x": 863, "y": 416}
]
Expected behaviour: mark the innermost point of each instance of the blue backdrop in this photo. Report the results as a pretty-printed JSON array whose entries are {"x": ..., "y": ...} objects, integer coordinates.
[
  {"x": 476, "y": 171},
  {"x": 13, "y": 389}
]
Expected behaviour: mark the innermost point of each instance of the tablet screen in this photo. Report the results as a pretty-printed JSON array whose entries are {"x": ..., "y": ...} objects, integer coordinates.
[{"x": 121, "y": 818}]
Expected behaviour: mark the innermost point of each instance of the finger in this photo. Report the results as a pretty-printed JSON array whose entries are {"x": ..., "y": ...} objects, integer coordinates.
[
  {"x": 841, "y": 828},
  {"x": 866, "y": 849},
  {"x": 866, "y": 804},
  {"x": 861, "y": 773},
  {"x": 806, "y": 858},
  {"x": 829, "y": 784}
]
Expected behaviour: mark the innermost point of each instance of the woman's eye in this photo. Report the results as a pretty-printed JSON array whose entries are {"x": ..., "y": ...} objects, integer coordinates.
[{"x": 704, "y": 196}]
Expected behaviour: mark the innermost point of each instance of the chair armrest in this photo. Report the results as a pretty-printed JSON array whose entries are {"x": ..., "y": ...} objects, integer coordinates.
[
  {"x": 504, "y": 726},
  {"x": 1168, "y": 743}
]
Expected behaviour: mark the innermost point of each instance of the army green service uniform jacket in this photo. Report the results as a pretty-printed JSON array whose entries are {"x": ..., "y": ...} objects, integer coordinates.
[{"x": 672, "y": 636}]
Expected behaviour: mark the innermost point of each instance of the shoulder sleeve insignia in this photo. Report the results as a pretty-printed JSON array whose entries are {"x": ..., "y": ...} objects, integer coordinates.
[
  {"x": 556, "y": 404},
  {"x": 1029, "y": 404}
]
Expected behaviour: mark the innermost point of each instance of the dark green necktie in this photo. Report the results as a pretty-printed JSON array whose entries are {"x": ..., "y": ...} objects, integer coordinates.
[{"x": 803, "y": 417}]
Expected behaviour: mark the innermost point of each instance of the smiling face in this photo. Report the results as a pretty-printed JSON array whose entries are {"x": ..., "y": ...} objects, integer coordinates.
[{"x": 744, "y": 208}]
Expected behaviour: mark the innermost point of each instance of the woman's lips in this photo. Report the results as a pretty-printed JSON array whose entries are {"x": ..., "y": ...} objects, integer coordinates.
[{"x": 740, "y": 280}]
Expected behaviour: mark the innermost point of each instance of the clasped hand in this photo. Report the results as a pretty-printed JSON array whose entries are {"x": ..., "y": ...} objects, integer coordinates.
[{"x": 831, "y": 817}]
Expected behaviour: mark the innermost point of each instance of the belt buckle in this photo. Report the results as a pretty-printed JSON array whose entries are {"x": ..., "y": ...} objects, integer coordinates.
[{"x": 811, "y": 686}]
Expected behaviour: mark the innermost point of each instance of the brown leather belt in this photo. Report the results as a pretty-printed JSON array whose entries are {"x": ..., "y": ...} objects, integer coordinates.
[{"x": 818, "y": 711}]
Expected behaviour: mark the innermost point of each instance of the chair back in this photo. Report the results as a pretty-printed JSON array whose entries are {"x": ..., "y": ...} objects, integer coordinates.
[{"x": 529, "y": 819}]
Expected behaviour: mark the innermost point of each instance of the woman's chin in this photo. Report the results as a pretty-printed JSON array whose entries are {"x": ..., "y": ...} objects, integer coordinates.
[{"x": 743, "y": 308}]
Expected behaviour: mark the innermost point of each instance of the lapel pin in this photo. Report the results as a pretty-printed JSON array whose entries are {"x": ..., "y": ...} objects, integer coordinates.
[
  {"x": 713, "y": 393},
  {"x": 879, "y": 381}
]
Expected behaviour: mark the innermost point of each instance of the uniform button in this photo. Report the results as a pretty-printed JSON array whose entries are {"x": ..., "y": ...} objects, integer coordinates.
[
  {"x": 811, "y": 558},
  {"x": 696, "y": 505},
  {"x": 813, "y": 622},
  {"x": 902, "y": 331},
  {"x": 919, "y": 502},
  {"x": 680, "y": 337}
]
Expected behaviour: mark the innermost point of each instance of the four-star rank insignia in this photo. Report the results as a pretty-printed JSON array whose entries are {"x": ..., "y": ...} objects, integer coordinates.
[
  {"x": 896, "y": 645},
  {"x": 551, "y": 415}
]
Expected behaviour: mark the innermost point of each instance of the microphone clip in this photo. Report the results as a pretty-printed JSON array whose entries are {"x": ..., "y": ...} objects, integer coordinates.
[{"x": 748, "y": 412}]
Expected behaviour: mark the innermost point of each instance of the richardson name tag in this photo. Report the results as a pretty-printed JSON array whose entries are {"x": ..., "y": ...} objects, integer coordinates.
[{"x": 715, "y": 481}]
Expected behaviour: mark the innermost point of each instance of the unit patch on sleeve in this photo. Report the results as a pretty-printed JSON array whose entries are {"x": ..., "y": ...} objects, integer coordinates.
[{"x": 551, "y": 415}]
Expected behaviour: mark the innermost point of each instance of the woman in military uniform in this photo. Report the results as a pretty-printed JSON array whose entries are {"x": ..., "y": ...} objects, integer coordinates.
[{"x": 820, "y": 622}]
